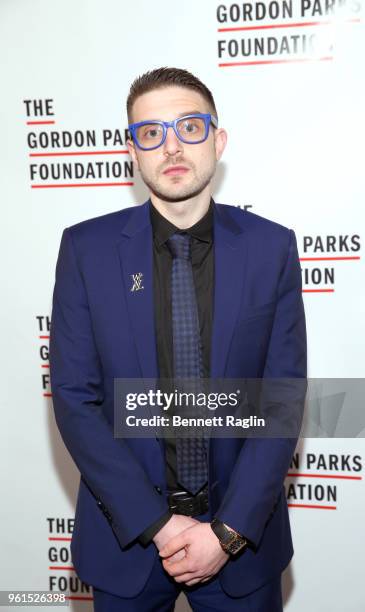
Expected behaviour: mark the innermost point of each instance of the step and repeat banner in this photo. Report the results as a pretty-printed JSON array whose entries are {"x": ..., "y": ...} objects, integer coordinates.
[{"x": 288, "y": 79}]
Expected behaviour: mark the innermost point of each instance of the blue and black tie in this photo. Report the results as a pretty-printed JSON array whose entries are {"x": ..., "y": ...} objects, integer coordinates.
[{"x": 192, "y": 472}]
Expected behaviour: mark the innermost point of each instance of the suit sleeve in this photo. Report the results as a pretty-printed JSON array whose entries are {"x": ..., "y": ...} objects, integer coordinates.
[
  {"x": 258, "y": 476},
  {"x": 108, "y": 466},
  {"x": 149, "y": 533}
]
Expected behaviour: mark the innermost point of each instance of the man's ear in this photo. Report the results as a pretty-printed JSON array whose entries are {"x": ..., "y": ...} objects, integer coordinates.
[
  {"x": 132, "y": 151},
  {"x": 220, "y": 141}
]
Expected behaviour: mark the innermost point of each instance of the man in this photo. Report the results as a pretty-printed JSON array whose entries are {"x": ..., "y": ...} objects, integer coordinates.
[{"x": 150, "y": 520}]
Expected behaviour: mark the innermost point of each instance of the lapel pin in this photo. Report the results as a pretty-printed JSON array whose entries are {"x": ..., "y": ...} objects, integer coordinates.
[{"x": 137, "y": 281}]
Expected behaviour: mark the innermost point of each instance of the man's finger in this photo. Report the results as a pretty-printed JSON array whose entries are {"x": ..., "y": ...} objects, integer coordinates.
[
  {"x": 190, "y": 577},
  {"x": 180, "y": 554},
  {"x": 173, "y": 545},
  {"x": 197, "y": 579},
  {"x": 191, "y": 582},
  {"x": 179, "y": 567}
]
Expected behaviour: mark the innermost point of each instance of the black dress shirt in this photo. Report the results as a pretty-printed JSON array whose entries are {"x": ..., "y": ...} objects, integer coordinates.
[{"x": 202, "y": 255}]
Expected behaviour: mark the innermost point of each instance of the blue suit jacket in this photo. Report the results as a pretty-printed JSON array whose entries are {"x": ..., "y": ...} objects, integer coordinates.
[{"x": 100, "y": 330}]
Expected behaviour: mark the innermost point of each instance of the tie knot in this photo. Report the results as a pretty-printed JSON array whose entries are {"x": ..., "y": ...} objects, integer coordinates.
[{"x": 180, "y": 245}]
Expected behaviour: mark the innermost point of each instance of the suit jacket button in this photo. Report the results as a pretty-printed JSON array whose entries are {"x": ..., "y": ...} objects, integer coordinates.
[{"x": 158, "y": 489}]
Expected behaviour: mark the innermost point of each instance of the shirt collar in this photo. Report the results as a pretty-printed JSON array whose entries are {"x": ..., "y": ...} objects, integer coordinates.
[{"x": 163, "y": 229}]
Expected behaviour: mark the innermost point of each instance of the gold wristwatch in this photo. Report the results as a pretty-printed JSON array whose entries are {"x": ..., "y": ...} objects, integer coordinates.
[{"x": 231, "y": 541}]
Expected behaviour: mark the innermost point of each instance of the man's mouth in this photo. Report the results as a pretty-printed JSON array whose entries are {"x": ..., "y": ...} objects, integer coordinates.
[{"x": 173, "y": 170}]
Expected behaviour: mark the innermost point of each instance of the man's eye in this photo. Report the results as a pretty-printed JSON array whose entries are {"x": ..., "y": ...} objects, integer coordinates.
[
  {"x": 152, "y": 133},
  {"x": 190, "y": 127}
]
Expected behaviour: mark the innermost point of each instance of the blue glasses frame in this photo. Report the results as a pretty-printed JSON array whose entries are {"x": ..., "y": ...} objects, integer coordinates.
[{"x": 208, "y": 119}]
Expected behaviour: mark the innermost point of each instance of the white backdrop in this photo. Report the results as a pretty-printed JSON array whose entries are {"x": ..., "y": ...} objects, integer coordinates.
[{"x": 288, "y": 79}]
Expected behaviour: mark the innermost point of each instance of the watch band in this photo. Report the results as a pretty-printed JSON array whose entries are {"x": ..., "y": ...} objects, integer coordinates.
[{"x": 231, "y": 541}]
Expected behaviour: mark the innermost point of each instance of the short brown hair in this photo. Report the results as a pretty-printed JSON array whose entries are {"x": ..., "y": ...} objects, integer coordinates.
[{"x": 164, "y": 77}]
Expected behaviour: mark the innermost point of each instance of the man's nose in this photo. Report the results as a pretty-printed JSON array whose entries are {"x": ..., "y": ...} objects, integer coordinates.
[{"x": 172, "y": 144}]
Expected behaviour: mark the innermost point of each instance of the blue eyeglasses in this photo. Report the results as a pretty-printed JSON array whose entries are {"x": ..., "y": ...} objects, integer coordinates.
[{"x": 191, "y": 129}]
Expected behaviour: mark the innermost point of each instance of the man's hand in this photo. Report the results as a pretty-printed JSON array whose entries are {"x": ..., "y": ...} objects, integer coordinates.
[
  {"x": 203, "y": 558},
  {"x": 177, "y": 524}
]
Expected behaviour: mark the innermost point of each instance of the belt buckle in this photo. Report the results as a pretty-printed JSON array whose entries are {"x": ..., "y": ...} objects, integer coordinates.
[{"x": 191, "y": 505}]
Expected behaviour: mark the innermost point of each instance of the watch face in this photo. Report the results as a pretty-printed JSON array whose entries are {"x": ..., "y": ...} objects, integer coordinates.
[{"x": 237, "y": 545}]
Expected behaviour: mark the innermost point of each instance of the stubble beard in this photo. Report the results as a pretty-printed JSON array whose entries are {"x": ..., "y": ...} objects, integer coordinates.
[{"x": 186, "y": 192}]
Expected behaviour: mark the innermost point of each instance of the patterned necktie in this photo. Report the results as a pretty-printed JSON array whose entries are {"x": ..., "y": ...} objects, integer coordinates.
[{"x": 192, "y": 469}]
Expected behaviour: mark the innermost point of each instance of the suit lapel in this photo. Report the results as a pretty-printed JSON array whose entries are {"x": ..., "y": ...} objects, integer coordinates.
[
  {"x": 136, "y": 257},
  {"x": 229, "y": 261}
]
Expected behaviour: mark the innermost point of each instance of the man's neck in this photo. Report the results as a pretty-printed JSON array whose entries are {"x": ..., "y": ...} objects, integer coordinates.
[{"x": 186, "y": 213}]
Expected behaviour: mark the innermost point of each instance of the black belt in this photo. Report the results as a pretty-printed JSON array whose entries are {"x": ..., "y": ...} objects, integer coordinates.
[{"x": 182, "y": 502}]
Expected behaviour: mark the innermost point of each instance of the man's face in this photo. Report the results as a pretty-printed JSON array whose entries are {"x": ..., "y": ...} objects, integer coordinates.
[{"x": 175, "y": 171}]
